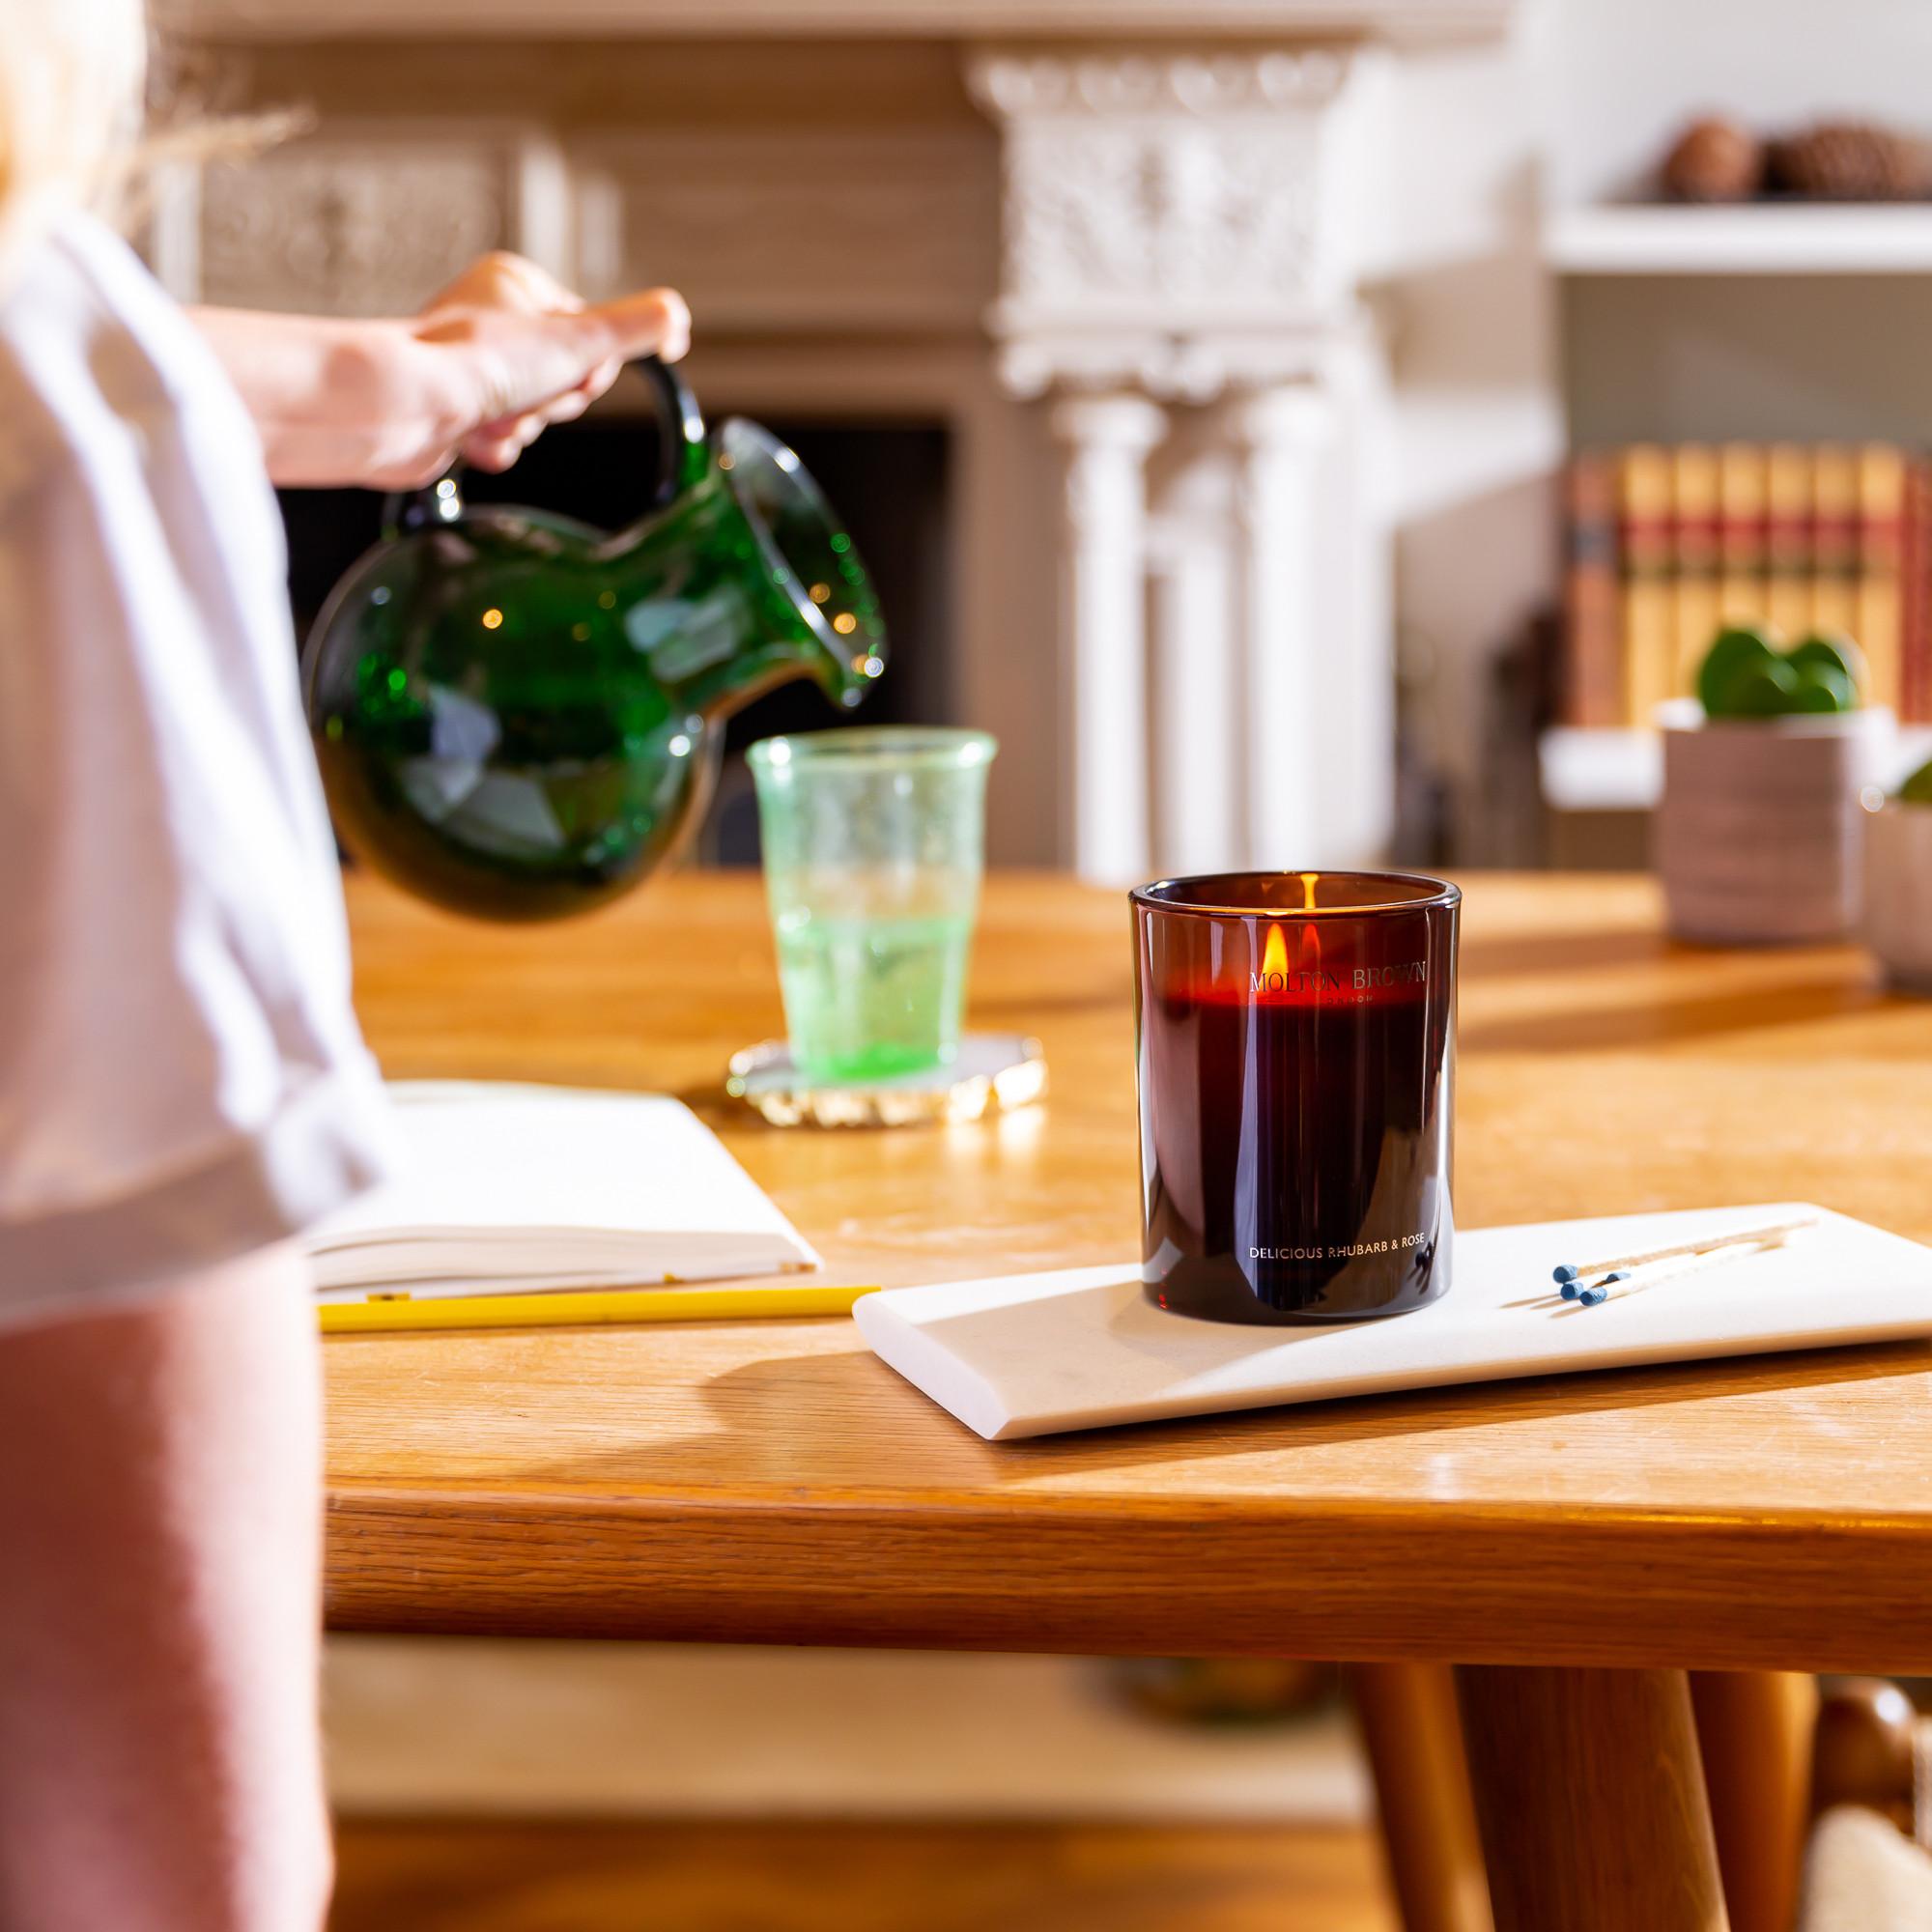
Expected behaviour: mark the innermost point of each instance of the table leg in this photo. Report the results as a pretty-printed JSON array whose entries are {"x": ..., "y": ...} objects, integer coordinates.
[
  {"x": 1590, "y": 1797},
  {"x": 1754, "y": 1731},
  {"x": 1414, "y": 1739}
]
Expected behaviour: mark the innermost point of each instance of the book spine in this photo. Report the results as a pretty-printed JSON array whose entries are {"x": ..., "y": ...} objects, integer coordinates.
[
  {"x": 1592, "y": 656},
  {"x": 1915, "y": 642},
  {"x": 1787, "y": 472},
  {"x": 1695, "y": 554},
  {"x": 1918, "y": 534},
  {"x": 1645, "y": 545},
  {"x": 1834, "y": 538},
  {"x": 1878, "y": 592},
  {"x": 1740, "y": 533}
]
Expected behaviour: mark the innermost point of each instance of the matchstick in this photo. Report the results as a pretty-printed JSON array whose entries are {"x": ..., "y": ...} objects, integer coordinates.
[{"x": 1766, "y": 1234}]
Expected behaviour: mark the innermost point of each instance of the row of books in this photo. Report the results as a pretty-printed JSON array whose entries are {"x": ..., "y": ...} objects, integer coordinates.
[{"x": 1664, "y": 545}]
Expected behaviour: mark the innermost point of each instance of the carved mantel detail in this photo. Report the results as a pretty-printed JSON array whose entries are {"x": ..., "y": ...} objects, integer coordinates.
[
  {"x": 360, "y": 219},
  {"x": 334, "y": 222},
  {"x": 1175, "y": 220}
]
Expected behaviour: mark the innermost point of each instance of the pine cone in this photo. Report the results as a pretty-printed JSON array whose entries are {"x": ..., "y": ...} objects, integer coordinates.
[
  {"x": 1714, "y": 160},
  {"x": 1852, "y": 160}
]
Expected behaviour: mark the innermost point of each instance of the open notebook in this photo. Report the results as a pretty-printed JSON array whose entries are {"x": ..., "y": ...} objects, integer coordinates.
[{"x": 517, "y": 1188}]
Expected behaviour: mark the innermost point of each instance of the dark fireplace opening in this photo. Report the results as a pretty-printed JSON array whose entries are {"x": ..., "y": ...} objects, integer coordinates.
[{"x": 890, "y": 482}]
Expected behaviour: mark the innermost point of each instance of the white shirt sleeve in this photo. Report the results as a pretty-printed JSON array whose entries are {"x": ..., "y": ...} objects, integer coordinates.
[{"x": 180, "y": 1075}]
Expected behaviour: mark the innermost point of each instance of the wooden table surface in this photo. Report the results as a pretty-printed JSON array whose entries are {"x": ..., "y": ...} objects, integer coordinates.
[{"x": 772, "y": 1481}]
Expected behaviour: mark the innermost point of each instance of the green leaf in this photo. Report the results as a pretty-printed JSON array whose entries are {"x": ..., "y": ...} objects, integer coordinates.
[
  {"x": 1763, "y": 689},
  {"x": 1824, "y": 686},
  {"x": 1834, "y": 651},
  {"x": 1736, "y": 650}
]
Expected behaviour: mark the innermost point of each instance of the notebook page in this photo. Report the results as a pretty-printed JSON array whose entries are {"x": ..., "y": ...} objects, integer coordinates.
[{"x": 515, "y": 1181}]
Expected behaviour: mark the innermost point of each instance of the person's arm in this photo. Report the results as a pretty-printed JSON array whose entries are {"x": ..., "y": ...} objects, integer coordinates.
[
  {"x": 500, "y": 353},
  {"x": 161, "y": 1518}
]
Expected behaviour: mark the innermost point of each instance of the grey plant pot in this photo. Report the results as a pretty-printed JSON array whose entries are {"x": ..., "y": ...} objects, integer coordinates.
[
  {"x": 1759, "y": 836},
  {"x": 1899, "y": 893}
]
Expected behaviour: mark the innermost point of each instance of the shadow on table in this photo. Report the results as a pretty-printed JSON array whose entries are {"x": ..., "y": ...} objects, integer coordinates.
[
  {"x": 1371, "y": 1419},
  {"x": 1652, "y": 1022},
  {"x": 818, "y": 1418},
  {"x": 1536, "y": 953}
]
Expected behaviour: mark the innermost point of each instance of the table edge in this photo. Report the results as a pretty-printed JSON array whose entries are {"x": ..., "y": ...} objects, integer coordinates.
[{"x": 1478, "y": 1584}]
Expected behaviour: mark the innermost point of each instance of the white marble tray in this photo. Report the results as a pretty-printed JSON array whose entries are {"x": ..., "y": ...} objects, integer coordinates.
[{"x": 1033, "y": 1354}]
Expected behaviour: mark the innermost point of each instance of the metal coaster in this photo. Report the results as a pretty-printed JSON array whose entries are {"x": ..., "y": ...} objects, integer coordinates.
[{"x": 992, "y": 1072}]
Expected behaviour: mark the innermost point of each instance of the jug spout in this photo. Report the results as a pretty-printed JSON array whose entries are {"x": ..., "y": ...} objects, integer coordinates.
[{"x": 749, "y": 580}]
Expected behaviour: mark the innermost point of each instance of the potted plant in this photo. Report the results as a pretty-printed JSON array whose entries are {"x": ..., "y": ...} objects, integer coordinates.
[
  {"x": 1758, "y": 834},
  {"x": 1899, "y": 883}
]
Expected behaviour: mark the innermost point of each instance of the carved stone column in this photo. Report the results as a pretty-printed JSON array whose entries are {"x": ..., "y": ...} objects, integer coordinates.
[
  {"x": 1179, "y": 225},
  {"x": 1279, "y": 435},
  {"x": 1200, "y": 756},
  {"x": 1103, "y": 567}
]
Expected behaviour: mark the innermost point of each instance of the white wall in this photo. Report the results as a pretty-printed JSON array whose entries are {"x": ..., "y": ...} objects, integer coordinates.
[{"x": 1477, "y": 427}]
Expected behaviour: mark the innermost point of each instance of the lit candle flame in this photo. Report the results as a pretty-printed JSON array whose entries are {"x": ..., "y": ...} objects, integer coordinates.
[
  {"x": 1274, "y": 954},
  {"x": 1308, "y": 880}
]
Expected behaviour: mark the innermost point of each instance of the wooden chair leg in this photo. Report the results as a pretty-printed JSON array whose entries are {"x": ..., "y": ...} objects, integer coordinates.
[
  {"x": 1414, "y": 1739},
  {"x": 1590, "y": 1798},
  {"x": 1754, "y": 1732},
  {"x": 1866, "y": 1751}
]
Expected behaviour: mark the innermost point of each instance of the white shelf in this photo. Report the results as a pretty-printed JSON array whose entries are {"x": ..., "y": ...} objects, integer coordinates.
[
  {"x": 1755, "y": 239},
  {"x": 1596, "y": 770},
  {"x": 1584, "y": 769},
  {"x": 1423, "y": 21}
]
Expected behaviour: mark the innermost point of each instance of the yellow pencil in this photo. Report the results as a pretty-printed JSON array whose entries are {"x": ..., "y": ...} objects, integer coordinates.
[{"x": 600, "y": 1307}]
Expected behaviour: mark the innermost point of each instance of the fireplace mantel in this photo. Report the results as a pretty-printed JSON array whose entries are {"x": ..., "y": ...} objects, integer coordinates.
[
  {"x": 1404, "y": 21},
  {"x": 1119, "y": 249}
]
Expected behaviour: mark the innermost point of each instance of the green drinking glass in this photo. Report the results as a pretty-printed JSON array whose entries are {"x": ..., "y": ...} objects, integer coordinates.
[
  {"x": 873, "y": 845},
  {"x": 520, "y": 717}
]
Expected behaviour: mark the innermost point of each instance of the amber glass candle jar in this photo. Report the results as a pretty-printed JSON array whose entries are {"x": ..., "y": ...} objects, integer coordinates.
[{"x": 1296, "y": 1041}]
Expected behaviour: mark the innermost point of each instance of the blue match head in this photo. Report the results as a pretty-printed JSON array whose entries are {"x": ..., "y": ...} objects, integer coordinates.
[
  {"x": 1591, "y": 1296},
  {"x": 1621, "y": 1274},
  {"x": 1571, "y": 1291},
  {"x": 1563, "y": 1275}
]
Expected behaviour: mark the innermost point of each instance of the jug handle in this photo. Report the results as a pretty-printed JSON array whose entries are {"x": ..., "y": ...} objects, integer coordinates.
[
  {"x": 681, "y": 463},
  {"x": 682, "y": 455}
]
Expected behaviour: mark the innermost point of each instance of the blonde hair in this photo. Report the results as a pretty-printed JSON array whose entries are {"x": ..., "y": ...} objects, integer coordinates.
[{"x": 70, "y": 81}]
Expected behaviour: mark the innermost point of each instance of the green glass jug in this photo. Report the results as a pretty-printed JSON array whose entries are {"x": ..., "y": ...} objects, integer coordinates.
[{"x": 520, "y": 717}]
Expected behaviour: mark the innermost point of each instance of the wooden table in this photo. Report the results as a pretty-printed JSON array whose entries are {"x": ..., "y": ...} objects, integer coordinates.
[{"x": 772, "y": 1481}]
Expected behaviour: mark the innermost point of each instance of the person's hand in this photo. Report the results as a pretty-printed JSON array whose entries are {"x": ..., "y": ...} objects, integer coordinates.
[
  {"x": 516, "y": 350},
  {"x": 498, "y": 355}
]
